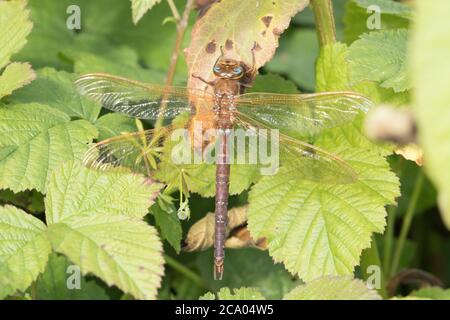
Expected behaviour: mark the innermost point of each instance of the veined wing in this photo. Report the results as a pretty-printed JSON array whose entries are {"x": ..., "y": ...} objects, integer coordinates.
[
  {"x": 304, "y": 160},
  {"x": 138, "y": 151},
  {"x": 137, "y": 99},
  {"x": 302, "y": 114}
]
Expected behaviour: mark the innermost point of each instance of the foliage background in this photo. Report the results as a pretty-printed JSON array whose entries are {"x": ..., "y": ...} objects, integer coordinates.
[{"x": 102, "y": 221}]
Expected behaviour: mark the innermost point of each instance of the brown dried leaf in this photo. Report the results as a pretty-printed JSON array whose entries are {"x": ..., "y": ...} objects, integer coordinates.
[
  {"x": 411, "y": 152},
  {"x": 237, "y": 26},
  {"x": 201, "y": 234}
]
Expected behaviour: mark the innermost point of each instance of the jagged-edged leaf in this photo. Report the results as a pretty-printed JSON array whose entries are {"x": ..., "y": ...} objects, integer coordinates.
[
  {"x": 56, "y": 89},
  {"x": 333, "y": 288},
  {"x": 140, "y": 7},
  {"x": 320, "y": 229},
  {"x": 59, "y": 282},
  {"x": 24, "y": 249},
  {"x": 101, "y": 31},
  {"x": 114, "y": 124},
  {"x": 106, "y": 239},
  {"x": 381, "y": 57},
  {"x": 259, "y": 22},
  {"x": 332, "y": 75},
  {"x": 74, "y": 190},
  {"x": 247, "y": 267},
  {"x": 434, "y": 293},
  {"x": 362, "y": 16},
  {"x": 15, "y": 26},
  {"x": 235, "y": 294},
  {"x": 34, "y": 139},
  {"x": 15, "y": 76},
  {"x": 431, "y": 73}
]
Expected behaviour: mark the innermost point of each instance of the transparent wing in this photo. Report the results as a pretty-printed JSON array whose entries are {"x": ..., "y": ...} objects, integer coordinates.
[
  {"x": 304, "y": 160},
  {"x": 137, "y": 99},
  {"x": 302, "y": 114},
  {"x": 138, "y": 151}
]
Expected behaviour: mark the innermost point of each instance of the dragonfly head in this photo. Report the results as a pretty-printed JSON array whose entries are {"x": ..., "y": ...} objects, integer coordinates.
[{"x": 229, "y": 69}]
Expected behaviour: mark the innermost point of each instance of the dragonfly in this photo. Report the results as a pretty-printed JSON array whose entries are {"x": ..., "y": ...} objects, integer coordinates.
[{"x": 224, "y": 106}]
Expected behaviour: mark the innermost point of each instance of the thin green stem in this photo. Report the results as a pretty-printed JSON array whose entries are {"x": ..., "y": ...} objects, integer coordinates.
[
  {"x": 174, "y": 10},
  {"x": 174, "y": 264},
  {"x": 389, "y": 238},
  {"x": 370, "y": 258},
  {"x": 325, "y": 25},
  {"x": 181, "y": 30},
  {"x": 407, "y": 222}
]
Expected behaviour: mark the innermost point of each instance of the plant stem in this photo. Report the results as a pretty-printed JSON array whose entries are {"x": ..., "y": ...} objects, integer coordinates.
[
  {"x": 181, "y": 29},
  {"x": 174, "y": 264},
  {"x": 325, "y": 26},
  {"x": 174, "y": 9},
  {"x": 33, "y": 291},
  {"x": 389, "y": 238},
  {"x": 407, "y": 222},
  {"x": 370, "y": 257}
]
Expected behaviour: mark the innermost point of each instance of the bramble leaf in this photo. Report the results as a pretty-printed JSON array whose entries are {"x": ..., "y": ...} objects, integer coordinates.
[
  {"x": 24, "y": 249},
  {"x": 333, "y": 288},
  {"x": 56, "y": 89},
  {"x": 237, "y": 294},
  {"x": 15, "y": 26},
  {"x": 95, "y": 220},
  {"x": 15, "y": 76},
  {"x": 36, "y": 142},
  {"x": 434, "y": 293},
  {"x": 381, "y": 57},
  {"x": 140, "y": 7}
]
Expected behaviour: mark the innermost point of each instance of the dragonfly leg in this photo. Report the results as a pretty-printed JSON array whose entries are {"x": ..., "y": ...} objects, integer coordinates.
[{"x": 209, "y": 83}]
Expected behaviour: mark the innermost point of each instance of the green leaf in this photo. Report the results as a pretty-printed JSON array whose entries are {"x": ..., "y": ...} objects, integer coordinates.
[
  {"x": 113, "y": 124},
  {"x": 74, "y": 190},
  {"x": 24, "y": 250},
  {"x": 167, "y": 220},
  {"x": 318, "y": 229},
  {"x": 332, "y": 75},
  {"x": 122, "y": 61},
  {"x": 381, "y": 57},
  {"x": 388, "y": 7},
  {"x": 333, "y": 288},
  {"x": 56, "y": 89},
  {"x": 272, "y": 280},
  {"x": 35, "y": 139},
  {"x": 273, "y": 83},
  {"x": 140, "y": 7},
  {"x": 434, "y": 293},
  {"x": 102, "y": 30},
  {"x": 15, "y": 75},
  {"x": 359, "y": 20},
  {"x": 53, "y": 283},
  {"x": 296, "y": 58},
  {"x": 259, "y": 22},
  {"x": 431, "y": 74},
  {"x": 95, "y": 220},
  {"x": 15, "y": 27},
  {"x": 237, "y": 294}
]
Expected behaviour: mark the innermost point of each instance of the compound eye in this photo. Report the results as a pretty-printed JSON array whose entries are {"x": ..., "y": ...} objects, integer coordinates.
[
  {"x": 217, "y": 69},
  {"x": 237, "y": 70}
]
